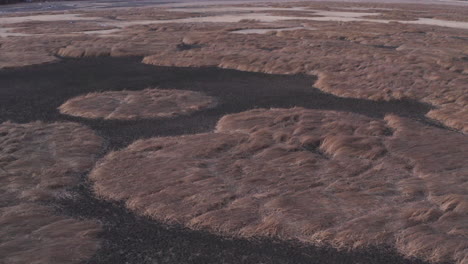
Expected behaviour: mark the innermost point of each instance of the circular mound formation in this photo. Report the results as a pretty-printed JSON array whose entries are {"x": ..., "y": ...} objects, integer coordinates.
[
  {"x": 38, "y": 162},
  {"x": 317, "y": 176},
  {"x": 129, "y": 105}
]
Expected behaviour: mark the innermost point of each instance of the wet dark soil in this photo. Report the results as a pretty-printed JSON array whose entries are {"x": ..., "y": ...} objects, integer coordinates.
[{"x": 34, "y": 93}]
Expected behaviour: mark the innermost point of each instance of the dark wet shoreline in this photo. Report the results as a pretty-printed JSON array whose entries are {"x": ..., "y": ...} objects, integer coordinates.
[{"x": 33, "y": 93}]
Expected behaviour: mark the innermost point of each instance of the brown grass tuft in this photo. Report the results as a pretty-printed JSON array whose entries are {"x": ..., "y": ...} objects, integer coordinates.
[
  {"x": 317, "y": 176},
  {"x": 149, "y": 103},
  {"x": 372, "y": 61},
  {"x": 31, "y": 233},
  {"x": 38, "y": 162}
]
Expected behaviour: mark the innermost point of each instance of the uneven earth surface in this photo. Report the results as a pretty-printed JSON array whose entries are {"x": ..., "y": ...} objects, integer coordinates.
[{"x": 240, "y": 132}]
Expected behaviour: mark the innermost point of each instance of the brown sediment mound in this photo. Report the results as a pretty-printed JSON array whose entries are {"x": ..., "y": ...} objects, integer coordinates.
[
  {"x": 38, "y": 162},
  {"x": 322, "y": 177},
  {"x": 148, "y": 103}
]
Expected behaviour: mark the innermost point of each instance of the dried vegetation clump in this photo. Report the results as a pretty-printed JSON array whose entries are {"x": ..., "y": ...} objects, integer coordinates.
[
  {"x": 135, "y": 14},
  {"x": 16, "y": 52},
  {"x": 56, "y": 27},
  {"x": 321, "y": 177},
  {"x": 353, "y": 59},
  {"x": 138, "y": 40},
  {"x": 127, "y": 105},
  {"x": 414, "y": 62},
  {"x": 38, "y": 162}
]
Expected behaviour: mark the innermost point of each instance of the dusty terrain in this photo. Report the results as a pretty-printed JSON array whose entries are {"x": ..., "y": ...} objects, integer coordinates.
[{"x": 355, "y": 150}]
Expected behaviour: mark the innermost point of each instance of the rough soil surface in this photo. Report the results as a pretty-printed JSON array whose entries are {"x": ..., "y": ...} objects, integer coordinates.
[
  {"x": 38, "y": 162},
  {"x": 127, "y": 105},
  {"x": 317, "y": 176}
]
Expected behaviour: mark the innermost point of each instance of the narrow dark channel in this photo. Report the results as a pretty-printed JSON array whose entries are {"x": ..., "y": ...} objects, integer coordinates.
[{"x": 33, "y": 93}]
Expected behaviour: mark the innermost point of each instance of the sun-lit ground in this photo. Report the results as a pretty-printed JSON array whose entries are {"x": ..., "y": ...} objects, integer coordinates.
[{"x": 325, "y": 178}]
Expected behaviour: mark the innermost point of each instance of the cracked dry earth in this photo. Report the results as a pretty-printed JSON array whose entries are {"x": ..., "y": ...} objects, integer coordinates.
[{"x": 218, "y": 149}]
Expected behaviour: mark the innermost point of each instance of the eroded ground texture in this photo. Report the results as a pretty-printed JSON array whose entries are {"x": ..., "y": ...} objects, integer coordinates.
[
  {"x": 393, "y": 176},
  {"x": 148, "y": 103},
  {"x": 38, "y": 162}
]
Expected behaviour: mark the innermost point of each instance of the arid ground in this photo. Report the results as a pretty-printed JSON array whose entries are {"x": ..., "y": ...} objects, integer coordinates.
[{"x": 234, "y": 132}]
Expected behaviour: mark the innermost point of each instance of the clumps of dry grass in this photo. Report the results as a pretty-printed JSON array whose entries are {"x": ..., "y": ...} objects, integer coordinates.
[
  {"x": 359, "y": 59},
  {"x": 39, "y": 161},
  {"x": 453, "y": 116},
  {"x": 350, "y": 60},
  {"x": 15, "y": 54},
  {"x": 437, "y": 229},
  {"x": 78, "y": 52},
  {"x": 56, "y": 27},
  {"x": 322, "y": 177},
  {"x": 127, "y": 105},
  {"x": 31, "y": 233}
]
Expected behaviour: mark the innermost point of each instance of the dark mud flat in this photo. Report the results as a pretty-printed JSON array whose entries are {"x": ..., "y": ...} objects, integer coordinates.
[{"x": 34, "y": 93}]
